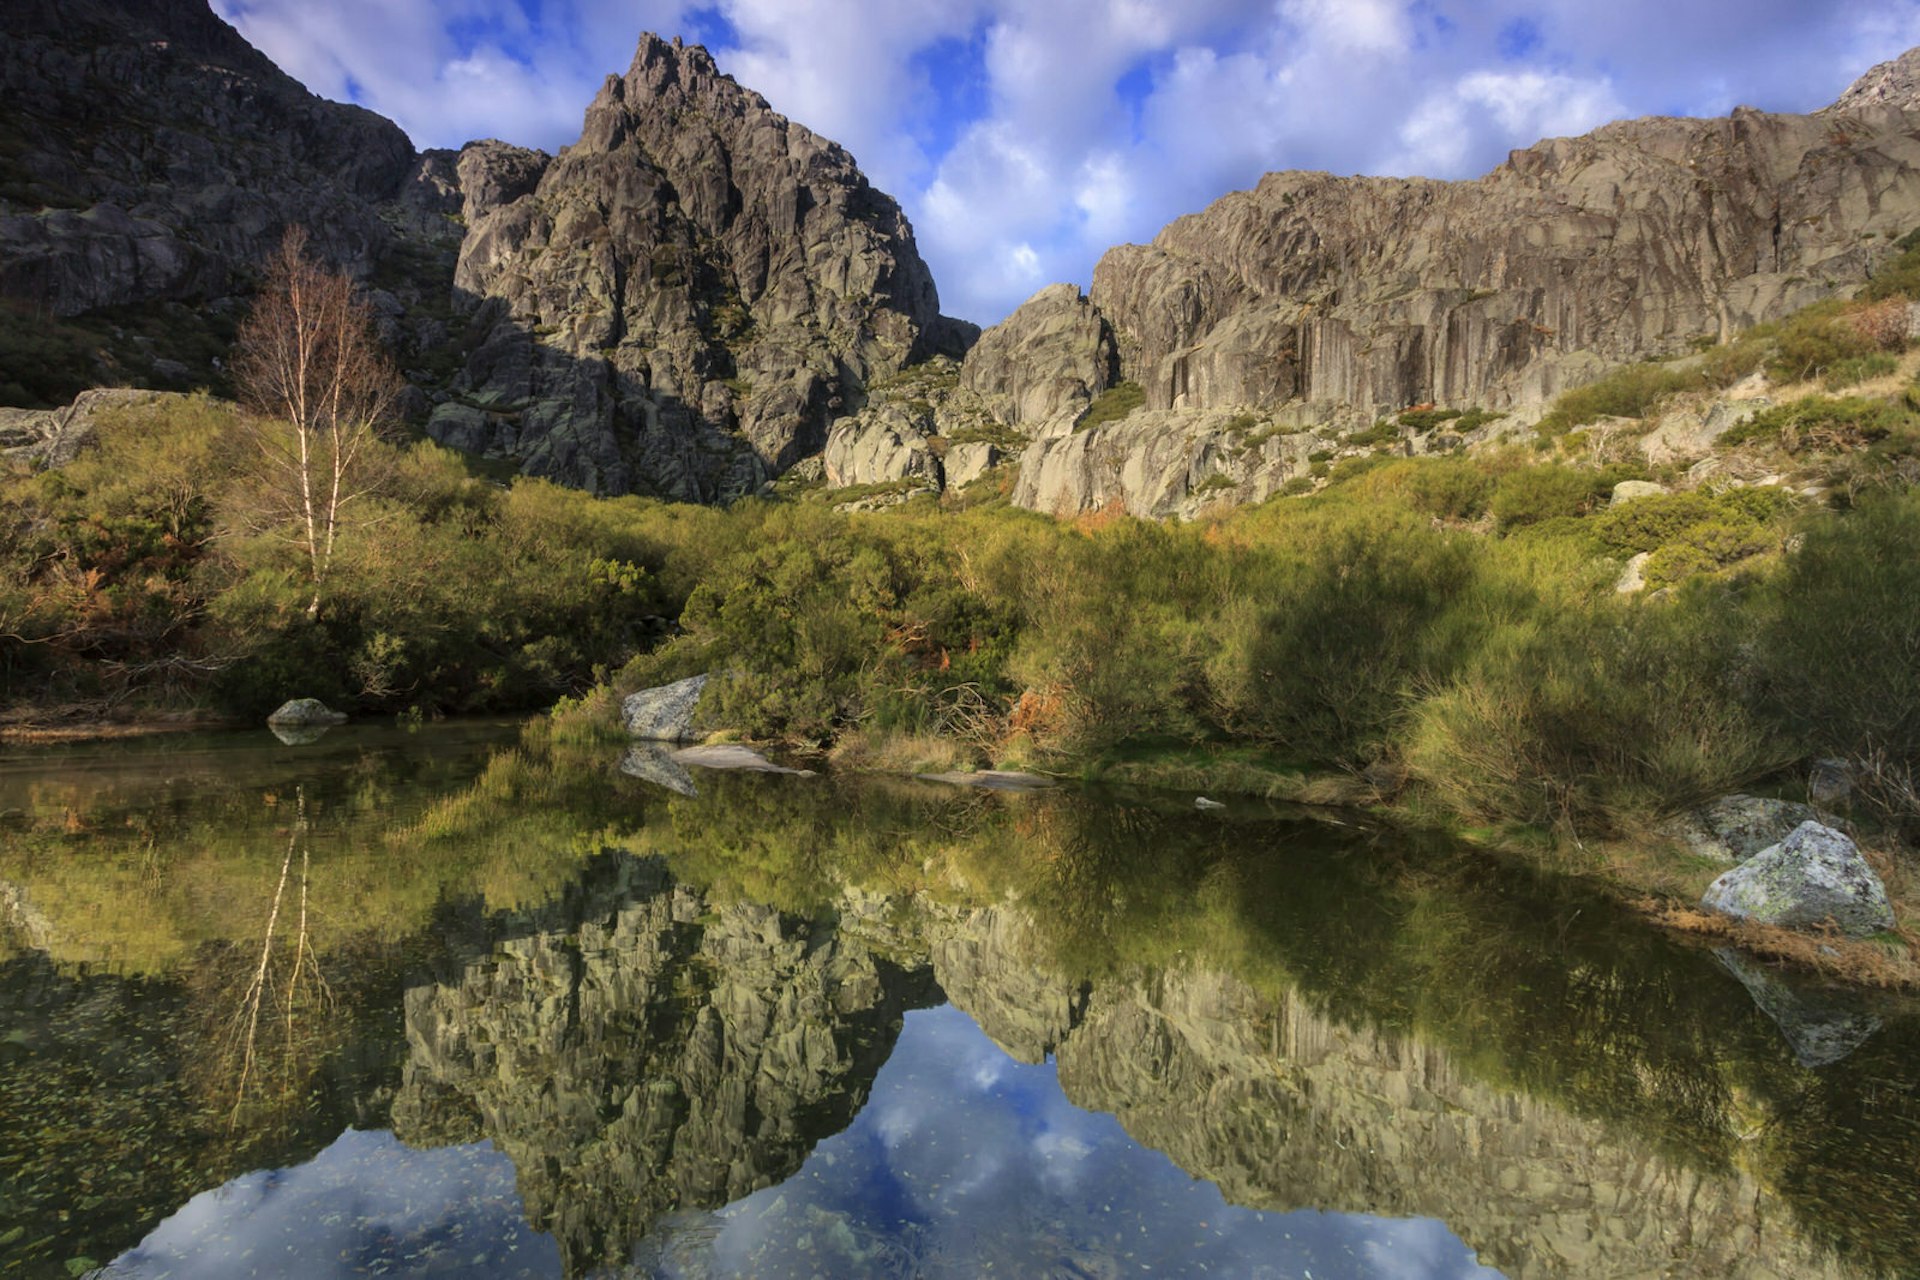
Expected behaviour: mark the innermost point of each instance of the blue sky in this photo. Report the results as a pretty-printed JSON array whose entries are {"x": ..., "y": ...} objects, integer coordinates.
[{"x": 1024, "y": 137}]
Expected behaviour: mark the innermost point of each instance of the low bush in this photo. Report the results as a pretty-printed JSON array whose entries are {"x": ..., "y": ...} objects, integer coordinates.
[{"x": 1111, "y": 405}]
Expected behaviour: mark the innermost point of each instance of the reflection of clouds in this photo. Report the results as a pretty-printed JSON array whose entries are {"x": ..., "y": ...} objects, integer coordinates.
[
  {"x": 366, "y": 1203},
  {"x": 964, "y": 1162}
]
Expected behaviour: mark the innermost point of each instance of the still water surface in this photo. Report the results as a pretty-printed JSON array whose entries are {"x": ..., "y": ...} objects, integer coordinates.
[{"x": 466, "y": 1002}]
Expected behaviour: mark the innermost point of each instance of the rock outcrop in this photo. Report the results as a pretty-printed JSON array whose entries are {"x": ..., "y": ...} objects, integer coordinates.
[
  {"x": 1331, "y": 302},
  {"x": 1042, "y": 366},
  {"x": 54, "y": 437},
  {"x": 1894, "y": 84},
  {"x": 689, "y": 295}
]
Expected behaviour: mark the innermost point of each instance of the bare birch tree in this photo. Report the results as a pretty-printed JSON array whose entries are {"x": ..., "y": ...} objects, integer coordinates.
[{"x": 307, "y": 362}]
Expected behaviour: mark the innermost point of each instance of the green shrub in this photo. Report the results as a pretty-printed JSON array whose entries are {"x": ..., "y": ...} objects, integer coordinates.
[
  {"x": 1582, "y": 719},
  {"x": 1840, "y": 645},
  {"x": 1111, "y": 405},
  {"x": 1818, "y": 424},
  {"x": 1427, "y": 419},
  {"x": 1859, "y": 369},
  {"x": 1627, "y": 392},
  {"x": 1329, "y": 671},
  {"x": 1450, "y": 488},
  {"x": 1533, "y": 494}
]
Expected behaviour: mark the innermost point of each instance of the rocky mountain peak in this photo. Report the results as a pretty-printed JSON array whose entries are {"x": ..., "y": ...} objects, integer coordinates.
[
  {"x": 1894, "y": 83},
  {"x": 689, "y": 295}
]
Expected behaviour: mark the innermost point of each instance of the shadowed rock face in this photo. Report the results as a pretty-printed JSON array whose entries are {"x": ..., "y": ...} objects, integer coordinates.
[
  {"x": 634, "y": 1051},
  {"x": 154, "y": 155},
  {"x": 689, "y": 296}
]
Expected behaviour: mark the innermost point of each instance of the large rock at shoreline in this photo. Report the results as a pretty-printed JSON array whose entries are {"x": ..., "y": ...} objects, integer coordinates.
[
  {"x": 1814, "y": 876},
  {"x": 305, "y": 713},
  {"x": 664, "y": 713}
]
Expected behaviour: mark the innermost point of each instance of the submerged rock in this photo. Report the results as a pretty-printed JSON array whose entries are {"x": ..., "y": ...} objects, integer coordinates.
[
  {"x": 733, "y": 756},
  {"x": 1814, "y": 876},
  {"x": 305, "y": 712},
  {"x": 665, "y": 713},
  {"x": 990, "y": 779},
  {"x": 1821, "y": 1028}
]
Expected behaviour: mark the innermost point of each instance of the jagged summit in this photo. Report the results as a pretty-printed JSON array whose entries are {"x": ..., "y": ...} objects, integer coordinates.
[
  {"x": 688, "y": 297},
  {"x": 1894, "y": 83}
]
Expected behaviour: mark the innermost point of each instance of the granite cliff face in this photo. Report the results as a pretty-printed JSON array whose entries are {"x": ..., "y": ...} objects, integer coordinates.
[
  {"x": 689, "y": 295},
  {"x": 1320, "y": 302}
]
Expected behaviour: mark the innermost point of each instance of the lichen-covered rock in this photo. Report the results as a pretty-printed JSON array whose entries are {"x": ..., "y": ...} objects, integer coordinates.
[
  {"x": 1813, "y": 877},
  {"x": 305, "y": 712},
  {"x": 1734, "y": 828},
  {"x": 1043, "y": 365},
  {"x": 664, "y": 713}
]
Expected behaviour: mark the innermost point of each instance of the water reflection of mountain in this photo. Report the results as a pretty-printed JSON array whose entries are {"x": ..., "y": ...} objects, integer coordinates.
[
  {"x": 635, "y": 1050},
  {"x": 638, "y": 1049},
  {"x": 1303, "y": 1017}
]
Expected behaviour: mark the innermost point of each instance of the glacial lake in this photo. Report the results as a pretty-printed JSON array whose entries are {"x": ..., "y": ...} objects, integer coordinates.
[{"x": 462, "y": 1001}]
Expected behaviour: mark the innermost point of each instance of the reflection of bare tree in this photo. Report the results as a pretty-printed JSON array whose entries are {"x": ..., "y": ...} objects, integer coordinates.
[{"x": 266, "y": 985}]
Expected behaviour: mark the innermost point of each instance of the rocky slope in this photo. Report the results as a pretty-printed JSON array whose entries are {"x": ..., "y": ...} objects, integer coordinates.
[
  {"x": 1316, "y": 302},
  {"x": 688, "y": 297}
]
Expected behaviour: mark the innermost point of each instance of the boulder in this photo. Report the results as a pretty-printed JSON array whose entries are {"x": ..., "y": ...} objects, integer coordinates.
[
  {"x": 1734, "y": 828},
  {"x": 966, "y": 463},
  {"x": 665, "y": 713},
  {"x": 1830, "y": 782},
  {"x": 1628, "y": 490},
  {"x": 305, "y": 712},
  {"x": 1633, "y": 578},
  {"x": 879, "y": 446},
  {"x": 1813, "y": 877}
]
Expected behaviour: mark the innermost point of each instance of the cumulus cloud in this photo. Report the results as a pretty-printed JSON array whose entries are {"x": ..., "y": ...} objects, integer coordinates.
[{"x": 1024, "y": 137}]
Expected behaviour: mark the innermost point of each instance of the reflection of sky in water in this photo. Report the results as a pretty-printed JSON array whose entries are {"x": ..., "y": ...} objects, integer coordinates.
[{"x": 963, "y": 1162}]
